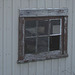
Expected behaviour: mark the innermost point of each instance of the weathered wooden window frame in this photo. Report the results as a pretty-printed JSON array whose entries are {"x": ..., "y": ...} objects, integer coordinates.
[{"x": 48, "y": 13}]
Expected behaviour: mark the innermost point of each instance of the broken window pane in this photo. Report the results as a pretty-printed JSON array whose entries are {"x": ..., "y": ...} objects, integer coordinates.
[
  {"x": 54, "y": 43},
  {"x": 42, "y": 44},
  {"x": 30, "y": 28},
  {"x": 30, "y": 44},
  {"x": 43, "y": 27},
  {"x": 55, "y": 27}
]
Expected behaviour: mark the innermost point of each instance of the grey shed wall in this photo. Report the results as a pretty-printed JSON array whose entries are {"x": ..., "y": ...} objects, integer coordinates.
[{"x": 9, "y": 42}]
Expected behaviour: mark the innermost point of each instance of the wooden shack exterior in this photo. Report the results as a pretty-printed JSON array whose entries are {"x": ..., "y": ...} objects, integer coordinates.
[{"x": 9, "y": 12}]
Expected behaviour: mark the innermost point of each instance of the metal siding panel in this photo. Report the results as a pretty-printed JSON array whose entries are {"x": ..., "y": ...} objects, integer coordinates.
[
  {"x": 16, "y": 67},
  {"x": 8, "y": 37},
  {"x": 24, "y": 4},
  {"x": 41, "y": 4},
  {"x": 32, "y": 68},
  {"x": 70, "y": 39},
  {"x": 72, "y": 10},
  {"x": 63, "y": 3},
  {"x": 11, "y": 37},
  {"x": 62, "y": 66},
  {"x": 48, "y": 67},
  {"x": 25, "y": 69},
  {"x": 55, "y": 67},
  {"x": 5, "y": 39},
  {"x": 40, "y": 68},
  {"x": 1, "y": 38},
  {"x": 55, "y": 3},
  {"x": 33, "y": 4},
  {"x": 48, "y": 3}
]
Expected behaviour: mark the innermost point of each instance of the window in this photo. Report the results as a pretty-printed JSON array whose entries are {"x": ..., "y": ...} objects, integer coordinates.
[{"x": 42, "y": 34}]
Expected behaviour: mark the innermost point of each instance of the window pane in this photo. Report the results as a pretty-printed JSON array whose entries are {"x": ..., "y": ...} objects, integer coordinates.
[
  {"x": 55, "y": 27},
  {"x": 43, "y": 27},
  {"x": 30, "y": 44},
  {"x": 54, "y": 43},
  {"x": 42, "y": 44},
  {"x": 30, "y": 28}
]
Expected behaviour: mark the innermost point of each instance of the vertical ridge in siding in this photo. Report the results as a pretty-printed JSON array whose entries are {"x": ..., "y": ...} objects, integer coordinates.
[
  {"x": 55, "y": 67},
  {"x": 48, "y": 3},
  {"x": 55, "y": 3},
  {"x": 9, "y": 37},
  {"x": 16, "y": 67},
  {"x": 48, "y": 67},
  {"x": 1, "y": 27},
  {"x": 28, "y": 3},
  {"x": 62, "y": 67},
  {"x": 62, "y": 3},
  {"x": 70, "y": 42},
  {"x": 73, "y": 52},
  {"x": 5, "y": 39},
  {"x": 12, "y": 37},
  {"x": 33, "y": 4},
  {"x": 24, "y": 69},
  {"x": 32, "y": 68},
  {"x": 40, "y": 68},
  {"x": 40, "y": 3},
  {"x": 24, "y": 4}
]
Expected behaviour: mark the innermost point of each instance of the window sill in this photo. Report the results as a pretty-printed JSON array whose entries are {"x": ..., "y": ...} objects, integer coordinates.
[{"x": 42, "y": 56}]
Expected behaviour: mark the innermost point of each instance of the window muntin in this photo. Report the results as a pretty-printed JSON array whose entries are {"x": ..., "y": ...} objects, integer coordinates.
[
  {"x": 45, "y": 32},
  {"x": 36, "y": 54}
]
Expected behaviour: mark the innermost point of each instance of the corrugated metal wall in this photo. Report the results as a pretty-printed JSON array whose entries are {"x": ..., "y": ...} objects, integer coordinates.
[{"x": 9, "y": 40}]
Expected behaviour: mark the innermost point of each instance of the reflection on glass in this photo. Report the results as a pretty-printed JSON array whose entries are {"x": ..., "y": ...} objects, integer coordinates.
[
  {"x": 43, "y": 27},
  {"x": 54, "y": 43},
  {"x": 55, "y": 27},
  {"x": 30, "y": 28},
  {"x": 42, "y": 44},
  {"x": 30, "y": 44}
]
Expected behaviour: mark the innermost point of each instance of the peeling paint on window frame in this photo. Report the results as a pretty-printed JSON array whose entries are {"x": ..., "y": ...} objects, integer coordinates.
[{"x": 48, "y": 13}]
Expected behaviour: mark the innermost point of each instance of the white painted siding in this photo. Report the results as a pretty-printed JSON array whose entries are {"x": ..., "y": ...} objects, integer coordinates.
[{"x": 9, "y": 40}]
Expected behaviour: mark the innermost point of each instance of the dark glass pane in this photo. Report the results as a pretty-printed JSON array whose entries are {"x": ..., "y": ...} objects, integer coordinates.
[
  {"x": 54, "y": 43},
  {"x": 30, "y": 44},
  {"x": 55, "y": 27},
  {"x": 42, "y": 44},
  {"x": 43, "y": 27},
  {"x": 30, "y": 28}
]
